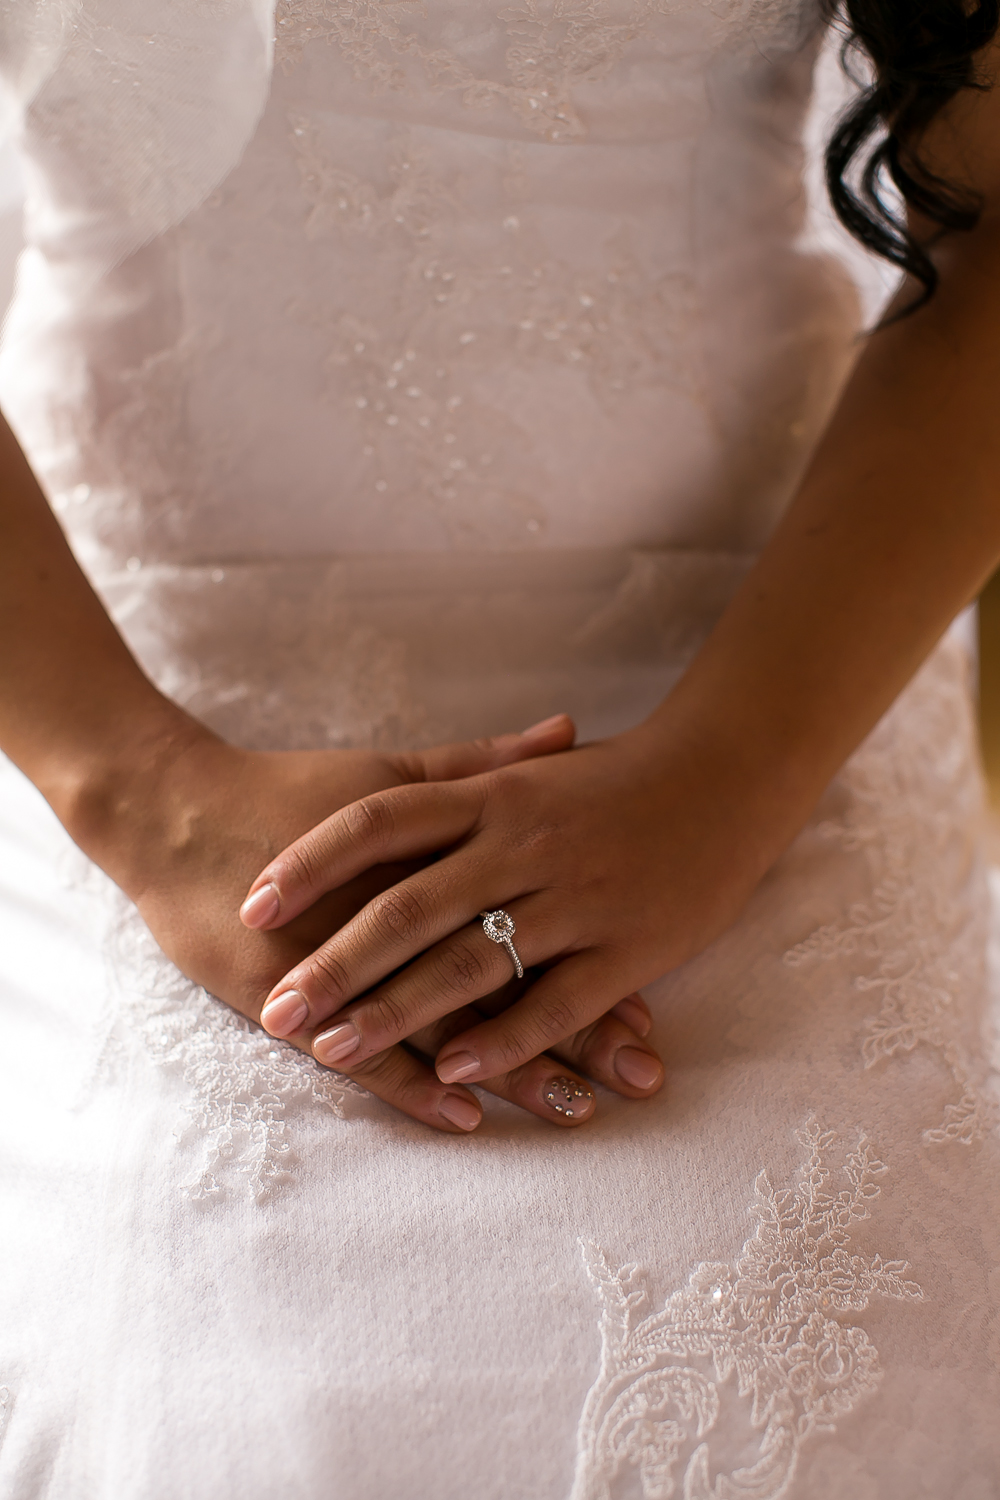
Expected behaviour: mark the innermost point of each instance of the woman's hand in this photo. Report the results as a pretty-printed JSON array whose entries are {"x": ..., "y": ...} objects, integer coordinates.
[
  {"x": 617, "y": 861},
  {"x": 186, "y": 837}
]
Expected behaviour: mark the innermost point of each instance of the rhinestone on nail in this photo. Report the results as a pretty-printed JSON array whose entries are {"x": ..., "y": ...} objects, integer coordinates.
[{"x": 562, "y": 1094}]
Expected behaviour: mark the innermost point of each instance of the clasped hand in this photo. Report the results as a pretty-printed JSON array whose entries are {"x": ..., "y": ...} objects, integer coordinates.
[
  {"x": 185, "y": 832},
  {"x": 603, "y": 858}
]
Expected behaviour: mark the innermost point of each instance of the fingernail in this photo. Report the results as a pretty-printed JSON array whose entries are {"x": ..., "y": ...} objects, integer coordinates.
[
  {"x": 460, "y": 1112},
  {"x": 284, "y": 1014},
  {"x": 568, "y": 1097},
  {"x": 339, "y": 1042},
  {"x": 537, "y": 730},
  {"x": 634, "y": 1015},
  {"x": 260, "y": 908},
  {"x": 640, "y": 1069},
  {"x": 459, "y": 1065}
]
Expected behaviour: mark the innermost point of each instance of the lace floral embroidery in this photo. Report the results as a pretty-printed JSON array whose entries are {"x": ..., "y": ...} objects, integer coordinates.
[
  {"x": 6, "y": 1407},
  {"x": 779, "y": 1320},
  {"x": 552, "y": 49},
  {"x": 911, "y": 785},
  {"x": 240, "y": 1082}
]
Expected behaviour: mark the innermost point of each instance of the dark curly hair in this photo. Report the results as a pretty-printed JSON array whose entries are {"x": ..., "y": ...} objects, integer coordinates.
[{"x": 920, "y": 53}]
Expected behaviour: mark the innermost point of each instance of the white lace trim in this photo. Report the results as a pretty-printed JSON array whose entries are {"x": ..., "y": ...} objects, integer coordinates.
[
  {"x": 778, "y": 1319},
  {"x": 552, "y": 48},
  {"x": 6, "y": 1407},
  {"x": 240, "y": 1083},
  {"x": 913, "y": 783}
]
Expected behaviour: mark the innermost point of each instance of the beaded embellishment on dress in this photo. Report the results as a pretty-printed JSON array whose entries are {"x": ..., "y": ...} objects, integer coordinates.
[{"x": 778, "y": 1319}]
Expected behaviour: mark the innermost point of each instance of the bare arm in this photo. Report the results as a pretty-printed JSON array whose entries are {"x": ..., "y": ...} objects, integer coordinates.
[
  {"x": 76, "y": 711},
  {"x": 182, "y": 821},
  {"x": 621, "y": 860},
  {"x": 895, "y": 528}
]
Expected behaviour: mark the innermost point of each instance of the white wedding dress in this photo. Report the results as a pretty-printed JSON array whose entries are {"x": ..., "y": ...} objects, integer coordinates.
[{"x": 437, "y": 368}]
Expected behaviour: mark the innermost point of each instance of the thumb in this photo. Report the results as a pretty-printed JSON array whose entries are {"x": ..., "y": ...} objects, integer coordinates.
[{"x": 471, "y": 757}]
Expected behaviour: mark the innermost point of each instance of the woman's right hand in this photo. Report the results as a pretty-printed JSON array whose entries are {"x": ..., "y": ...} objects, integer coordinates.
[{"x": 185, "y": 836}]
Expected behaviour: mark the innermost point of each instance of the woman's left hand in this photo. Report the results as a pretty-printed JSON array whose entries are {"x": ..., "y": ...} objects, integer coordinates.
[{"x": 617, "y": 861}]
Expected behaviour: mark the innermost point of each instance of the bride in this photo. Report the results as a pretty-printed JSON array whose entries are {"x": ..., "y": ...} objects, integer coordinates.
[{"x": 594, "y": 1109}]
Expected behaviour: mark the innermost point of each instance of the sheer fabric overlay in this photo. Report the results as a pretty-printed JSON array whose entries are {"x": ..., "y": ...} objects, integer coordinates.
[{"x": 404, "y": 373}]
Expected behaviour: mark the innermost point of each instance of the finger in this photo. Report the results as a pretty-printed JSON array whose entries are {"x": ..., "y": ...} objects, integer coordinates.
[
  {"x": 568, "y": 997},
  {"x": 447, "y": 762},
  {"x": 634, "y": 1011},
  {"x": 411, "y": 1086},
  {"x": 405, "y": 822},
  {"x": 435, "y": 905},
  {"x": 612, "y": 1053},
  {"x": 543, "y": 1087},
  {"x": 461, "y": 969}
]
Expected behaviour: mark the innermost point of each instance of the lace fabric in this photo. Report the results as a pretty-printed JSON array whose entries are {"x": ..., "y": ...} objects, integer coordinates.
[
  {"x": 921, "y": 940},
  {"x": 239, "y": 1085},
  {"x": 778, "y": 1320},
  {"x": 136, "y": 111},
  {"x": 443, "y": 378}
]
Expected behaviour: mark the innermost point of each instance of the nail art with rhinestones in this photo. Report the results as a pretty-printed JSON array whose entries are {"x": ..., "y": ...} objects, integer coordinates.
[{"x": 564, "y": 1095}]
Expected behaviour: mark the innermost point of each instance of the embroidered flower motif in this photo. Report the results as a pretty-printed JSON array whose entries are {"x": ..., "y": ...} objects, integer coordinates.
[
  {"x": 772, "y": 1321},
  {"x": 6, "y": 1407},
  {"x": 914, "y": 781},
  {"x": 239, "y": 1081},
  {"x": 552, "y": 49}
]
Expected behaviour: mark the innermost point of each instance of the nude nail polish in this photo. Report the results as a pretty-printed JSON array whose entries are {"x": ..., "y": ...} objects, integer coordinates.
[
  {"x": 284, "y": 1014},
  {"x": 261, "y": 907},
  {"x": 640, "y": 1069},
  {"x": 536, "y": 731},
  {"x": 634, "y": 1016},
  {"x": 459, "y": 1065},
  {"x": 339, "y": 1042},
  {"x": 460, "y": 1112}
]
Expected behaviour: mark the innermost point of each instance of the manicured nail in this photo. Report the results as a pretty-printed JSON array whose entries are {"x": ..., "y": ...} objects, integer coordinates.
[
  {"x": 284, "y": 1014},
  {"x": 640, "y": 1069},
  {"x": 339, "y": 1042},
  {"x": 260, "y": 908},
  {"x": 568, "y": 1097},
  {"x": 460, "y": 1112},
  {"x": 536, "y": 731},
  {"x": 634, "y": 1015},
  {"x": 459, "y": 1065}
]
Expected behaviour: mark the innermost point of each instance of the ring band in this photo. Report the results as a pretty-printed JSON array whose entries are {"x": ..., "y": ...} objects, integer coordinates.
[{"x": 499, "y": 926}]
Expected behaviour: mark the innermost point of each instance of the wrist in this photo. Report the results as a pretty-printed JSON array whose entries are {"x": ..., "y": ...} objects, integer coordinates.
[
  {"x": 114, "y": 798},
  {"x": 753, "y": 782}
]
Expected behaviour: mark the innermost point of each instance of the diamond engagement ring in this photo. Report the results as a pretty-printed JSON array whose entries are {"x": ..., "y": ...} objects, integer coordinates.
[{"x": 498, "y": 926}]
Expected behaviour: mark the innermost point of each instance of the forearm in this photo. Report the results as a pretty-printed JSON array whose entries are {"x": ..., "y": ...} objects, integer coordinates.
[
  {"x": 895, "y": 527},
  {"x": 76, "y": 711}
]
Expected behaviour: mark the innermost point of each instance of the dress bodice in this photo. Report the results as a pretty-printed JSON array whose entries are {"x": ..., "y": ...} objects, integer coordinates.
[{"x": 491, "y": 278}]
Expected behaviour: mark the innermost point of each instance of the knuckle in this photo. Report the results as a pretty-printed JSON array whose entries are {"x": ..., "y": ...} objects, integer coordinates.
[
  {"x": 328, "y": 975},
  {"x": 400, "y": 911},
  {"x": 301, "y": 864},
  {"x": 389, "y": 1015},
  {"x": 369, "y": 823},
  {"x": 463, "y": 970},
  {"x": 380, "y": 1072},
  {"x": 556, "y": 1017},
  {"x": 515, "y": 1048}
]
